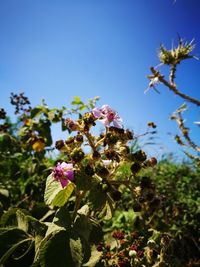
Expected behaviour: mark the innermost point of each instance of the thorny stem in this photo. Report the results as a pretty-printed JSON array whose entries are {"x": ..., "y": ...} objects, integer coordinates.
[
  {"x": 185, "y": 133},
  {"x": 78, "y": 202},
  {"x": 91, "y": 143},
  {"x": 99, "y": 142},
  {"x": 21, "y": 201},
  {"x": 172, "y": 74},
  {"x": 173, "y": 88}
]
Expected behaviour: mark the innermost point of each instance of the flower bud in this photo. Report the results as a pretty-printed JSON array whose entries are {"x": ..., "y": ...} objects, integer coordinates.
[
  {"x": 77, "y": 154},
  {"x": 132, "y": 253},
  {"x": 96, "y": 155},
  {"x": 89, "y": 170},
  {"x": 102, "y": 171},
  {"x": 59, "y": 144},
  {"x": 71, "y": 125},
  {"x": 151, "y": 243},
  {"x": 89, "y": 119},
  {"x": 105, "y": 187},
  {"x": 79, "y": 138},
  {"x": 140, "y": 155},
  {"x": 151, "y": 124},
  {"x": 135, "y": 167},
  {"x": 118, "y": 234},
  {"x": 129, "y": 135},
  {"x": 111, "y": 154},
  {"x": 2, "y": 113},
  {"x": 69, "y": 141},
  {"x": 152, "y": 162},
  {"x": 111, "y": 139},
  {"x": 38, "y": 145}
]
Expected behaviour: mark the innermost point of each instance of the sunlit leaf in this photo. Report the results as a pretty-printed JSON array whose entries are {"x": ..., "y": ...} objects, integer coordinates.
[{"x": 55, "y": 194}]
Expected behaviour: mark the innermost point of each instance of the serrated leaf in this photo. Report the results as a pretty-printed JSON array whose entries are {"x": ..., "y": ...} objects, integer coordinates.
[
  {"x": 12, "y": 249},
  {"x": 51, "y": 115},
  {"x": 55, "y": 194},
  {"x": 55, "y": 250},
  {"x": 22, "y": 221},
  {"x": 94, "y": 259},
  {"x": 9, "y": 217},
  {"x": 62, "y": 197},
  {"x": 97, "y": 197},
  {"x": 9, "y": 237},
  {"x": 77, "y": 101},
  {"x": 96, "y": 234},
  {"x": 76, "y": 251},
  {"x": 61, "y": 221},
  {"x": 82, "y": 226},
  {"x": 36, "y": 111},
  {"x": 4, "y": 192},
  {"x": 109, "y": 211},
  {"x": 84, "y": 210}
]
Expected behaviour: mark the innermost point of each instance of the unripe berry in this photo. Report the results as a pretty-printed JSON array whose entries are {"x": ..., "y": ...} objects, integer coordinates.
[
  {"x": 151, "y": 244},
  {"x": 132, "y": 253},
  {"x": 135, "y": 167}
]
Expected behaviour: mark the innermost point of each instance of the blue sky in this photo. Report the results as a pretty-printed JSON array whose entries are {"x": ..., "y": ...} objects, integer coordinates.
[{"x": 57, "y": 49}]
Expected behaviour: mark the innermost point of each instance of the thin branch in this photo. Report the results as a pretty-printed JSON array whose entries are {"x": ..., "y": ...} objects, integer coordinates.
[
  {"x": 173, "y": 88},
  {"x": 185, "y": 132}
]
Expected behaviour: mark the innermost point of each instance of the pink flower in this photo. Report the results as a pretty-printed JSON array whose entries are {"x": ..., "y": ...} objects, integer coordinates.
[
  {"x": 64, "y": 173},
  {"x": 106, "y": 115}
]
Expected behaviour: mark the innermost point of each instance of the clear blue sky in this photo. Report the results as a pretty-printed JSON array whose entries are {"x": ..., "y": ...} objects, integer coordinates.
[{"x": 57, "y": 49}]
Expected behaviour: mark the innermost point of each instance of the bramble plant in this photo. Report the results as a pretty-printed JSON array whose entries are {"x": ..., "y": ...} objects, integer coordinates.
[
  {"x": 172, "y": 58},
  {"x": 100, "y": 201}
]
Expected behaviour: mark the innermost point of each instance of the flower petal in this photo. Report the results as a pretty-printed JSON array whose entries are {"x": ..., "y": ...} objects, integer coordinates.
[
  {"x": 70, "y": 174},
  {"x": 64, "y": 165},
  {"x": 97, "y": 113},
  {"x": 105, "y": 122},
  {"x": 64, "y": 182}
]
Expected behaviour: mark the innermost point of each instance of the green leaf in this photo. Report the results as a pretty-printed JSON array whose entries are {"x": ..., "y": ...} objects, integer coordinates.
[
  {"x": 63, "y": 125},
  {"x": 4, "y": 192},
  {"x": 108, "y": 210},
  {"x": 36, "y": 112},
  {"x": 97, "y": 197},
  {"x": 83, "y": 181},
  {"x": 10, "y": 237},
  {"x": 62, "y": 197},
  {"x": 83, "y": 226},
  {"x": 54, "y": 193},
  {"x": 9, "y": 217},
  {"x": 76, "y": 251},
  {"x": 30, "y": 225},
  {"x": 55, "y": 250},
  {"x": 44, "y": 129},
  {"x": 22, "y": 221},
  {"x": 94, "y": 259},
  {"x": 96, "y": 234},
  {"x": 77, "y": 101},
  {"x": 12, "y": 249},
  {"x": 61, "y": 221}
]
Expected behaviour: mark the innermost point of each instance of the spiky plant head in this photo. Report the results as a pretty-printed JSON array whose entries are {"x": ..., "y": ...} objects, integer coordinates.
[{"x": 176, "y": 54}]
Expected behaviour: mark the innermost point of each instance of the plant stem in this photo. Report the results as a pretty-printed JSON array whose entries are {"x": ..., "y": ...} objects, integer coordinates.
[
  {"x": 173, "y": 88},
  {"x": 80, "y": 195}
]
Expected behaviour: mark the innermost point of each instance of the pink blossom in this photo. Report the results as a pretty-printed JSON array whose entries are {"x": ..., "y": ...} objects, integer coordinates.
[
  {"x": 64, "y": 173},
  {"x": 106, "y": 115}
]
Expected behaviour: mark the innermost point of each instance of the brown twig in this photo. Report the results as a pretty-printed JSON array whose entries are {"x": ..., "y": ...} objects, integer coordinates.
[{"x": 173, "y": 88}]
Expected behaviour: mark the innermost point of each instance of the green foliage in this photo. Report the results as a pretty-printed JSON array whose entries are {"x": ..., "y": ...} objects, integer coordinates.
[
  {"x": 55, "y": 194},
  {"x": 116, "y": 207}
]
